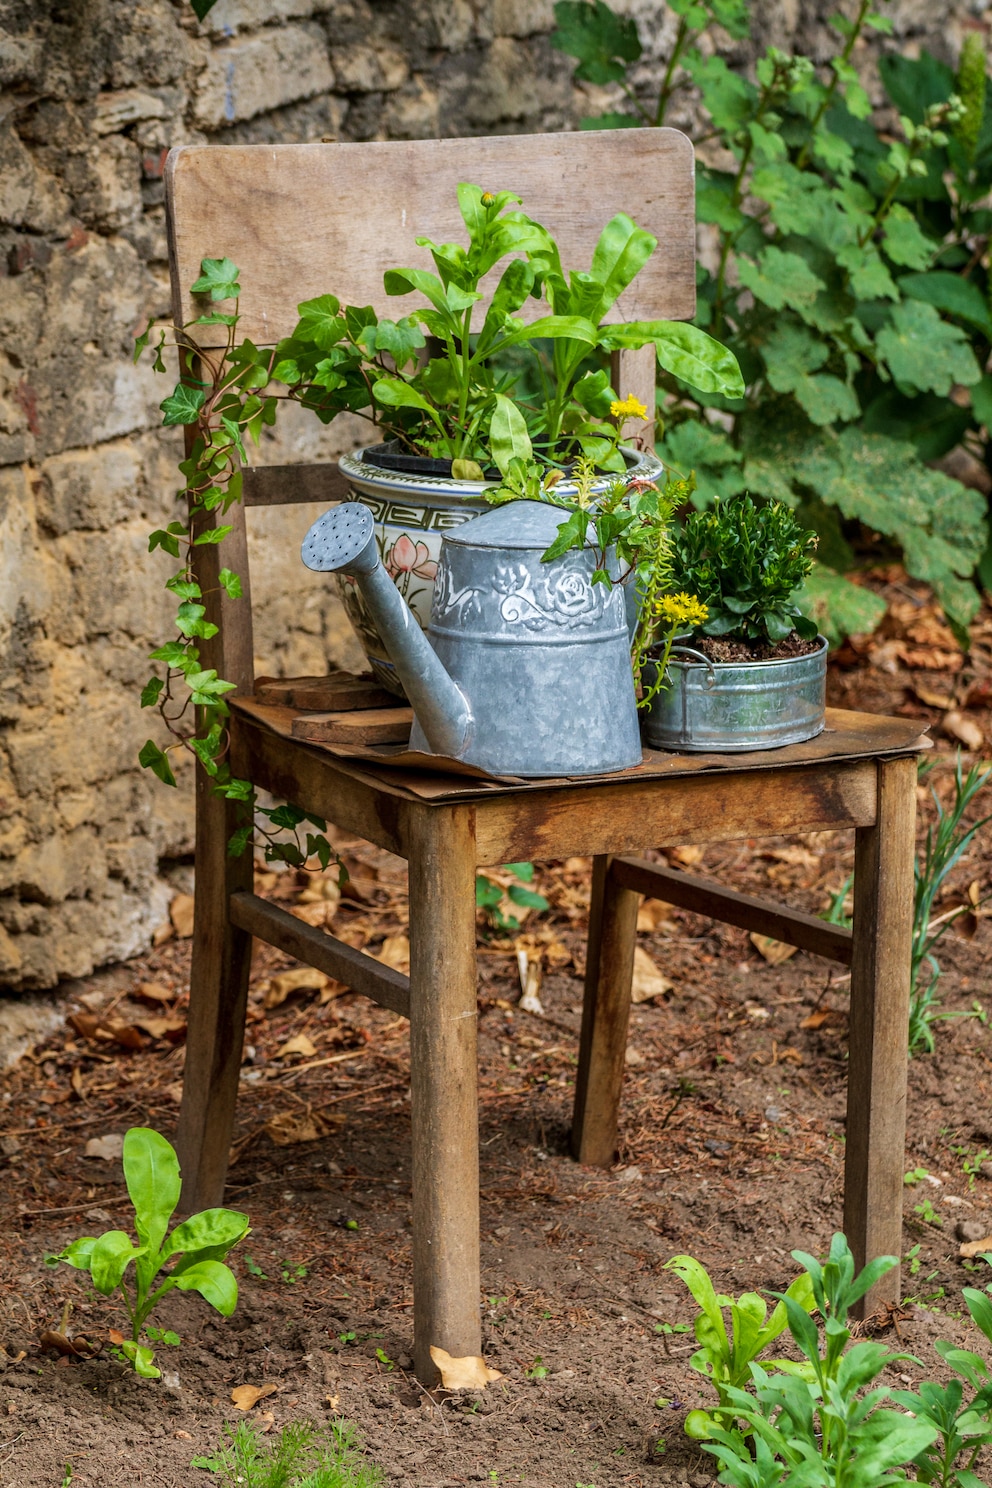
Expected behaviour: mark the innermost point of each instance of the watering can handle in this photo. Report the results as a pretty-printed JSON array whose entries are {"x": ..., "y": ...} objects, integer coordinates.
[{"x": 697, "y": 656}]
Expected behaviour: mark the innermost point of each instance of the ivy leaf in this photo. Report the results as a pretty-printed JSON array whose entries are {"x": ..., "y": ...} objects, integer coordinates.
[
  {"x": 211, "y": 535},
  {"x": 230, "y": 582},
  {"x": 183, "y": 405},
  {"x": 924, "y": 352},
  {"x": 190, "y": 621},
  {"x": 185, "y": 588},
  {"x": 216, "y": 318},
  {"x": 320, "y": 322},
  {"x": 206, "y": 687},
  {"x": 602, "y": 41},
  {"x": 318, "y": 847},
  {"x": 173, "y": 653},
  {"x": 780, "y": 279},
  {"x": 239, "y": 840},
  {"x": 218, "y": 278},
  {"x": 400, "y": 338},
  {"x": 140, "y": 342},
  {"x": 150, "y": 692},
  {"x": 150, "y": 757},
  {"x": 164, "y": 540}
]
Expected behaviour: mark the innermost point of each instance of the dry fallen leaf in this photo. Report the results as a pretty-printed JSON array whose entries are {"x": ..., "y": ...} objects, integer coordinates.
[
  {"x": 974, "y": 1248},
  {"x": 175, "y": 1091},
  {"x": 394, "y": 952},
  {"x": 647, "y": 981},
  {"x": 290, "y": 1127},
  {"x": 299, "y": 1044},
  {"x": 967, "y": 732},
  {"x": 931, "y": 697},
  {"x": 76, "y": 1081},
  {"x": 153, "y": 992},
  {"x": 323, "y": 890},
  {"x": 824, "y": 1018},
  {"x": 332, "y": 1402},
  {"x": 173, "y": 1029},
  {"x": 110, "y": 1147},
  {"x": 303, "y": 979},
  {"x": 245, "y": 1396},
  {"x": 115, "y": 1335},
  {"x": 774, "y": 951},
  {"x": 110, "y": 1030},
  {"x": 181, "y": 915},
  {"x": 470, "y": 1373},
  {"x": 655, "y": 915},
  {"x": 686, "y": 857}
]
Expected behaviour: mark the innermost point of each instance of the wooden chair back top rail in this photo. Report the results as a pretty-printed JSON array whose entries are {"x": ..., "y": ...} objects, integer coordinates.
[
  {"x": 304, "y": 220},
  {"x": 290, "y": 485}
]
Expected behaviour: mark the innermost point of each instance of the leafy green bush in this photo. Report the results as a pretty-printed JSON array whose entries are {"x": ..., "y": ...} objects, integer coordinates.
[
  {"x": 747, "y": 564},
  {"x": 196, "y": 1248},
  {"x": 849, "y": 272}
]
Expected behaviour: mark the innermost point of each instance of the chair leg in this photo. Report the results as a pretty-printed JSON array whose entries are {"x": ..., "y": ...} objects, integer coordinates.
[
  {"x": 217, "y": 999},
  {"x": 605, "y": 1015},
  {"x": 880, "y": 977},
  {"x": 444, "y": 1087}
]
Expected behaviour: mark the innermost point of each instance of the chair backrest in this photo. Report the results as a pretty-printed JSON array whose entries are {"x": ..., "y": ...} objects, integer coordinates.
[{"x": 303, "y": 220}]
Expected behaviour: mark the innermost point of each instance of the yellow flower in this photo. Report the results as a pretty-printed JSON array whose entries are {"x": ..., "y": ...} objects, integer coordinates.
[
  {"x": 629, "y": 408},
  {"x": 487, "y": 198},
  {"x": 681, "y": 609}
]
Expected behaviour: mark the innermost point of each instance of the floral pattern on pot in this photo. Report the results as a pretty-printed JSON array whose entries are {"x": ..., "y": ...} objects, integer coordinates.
[{"x": 412, "y": 514}]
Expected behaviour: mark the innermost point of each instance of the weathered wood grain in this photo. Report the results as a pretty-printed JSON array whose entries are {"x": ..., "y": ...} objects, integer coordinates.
[
  {"x": 877, "y": 1067},
  {"x": 704, "y": 897},
  {"x": 605, "y": 1016},
  {"x": 221, "y": 953},
  {"x": 338, "y": 692},
  {"x": 443, "y": 1086},
  {"x": 717, "y": 807},
  {"x": 290, "y": 485},
  {"x": 363, "y": 726},
  {"x": 304, "y": 220},
  {"x": 317, "y": 948}
]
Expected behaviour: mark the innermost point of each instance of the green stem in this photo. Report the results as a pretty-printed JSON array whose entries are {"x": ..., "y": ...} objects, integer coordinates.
[
  {"x": 857, "y": 26},
  {"x": 665, "y": 92}
]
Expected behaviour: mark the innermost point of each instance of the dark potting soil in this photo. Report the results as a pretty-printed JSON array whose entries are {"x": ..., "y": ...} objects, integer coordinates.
[{"x": 723, "y": 648}]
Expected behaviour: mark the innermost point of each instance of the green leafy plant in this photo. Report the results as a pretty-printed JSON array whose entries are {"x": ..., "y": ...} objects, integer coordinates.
[
  {"x": 190, "y": 1258},
  {"x": 491, "y": 897},
  {"x": 747, "y": 564},
  {"x": 458, "y": 400},
  {"x": 851, "y": 274},
  {"x": 817, "y": 1426},
  {"x": 300, "y": 1456},
  {"x": 536, "y": 1371},
  {"x": 946, "y": 842},
  {"x": 963, "y": 1426},
  {"x": 725, "y": 1355},
  {"x": 457, "y": 403}
]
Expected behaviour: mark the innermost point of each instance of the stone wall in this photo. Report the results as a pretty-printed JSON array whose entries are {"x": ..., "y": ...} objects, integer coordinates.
[{"x": 94, "y": 94}]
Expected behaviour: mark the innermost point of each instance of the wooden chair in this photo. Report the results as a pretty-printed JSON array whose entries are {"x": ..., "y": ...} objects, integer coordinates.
[{"x": 300, "y": 220}]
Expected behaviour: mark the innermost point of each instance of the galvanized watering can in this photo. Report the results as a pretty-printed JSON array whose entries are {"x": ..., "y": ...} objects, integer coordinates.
[{"x": 525, "y": 669}]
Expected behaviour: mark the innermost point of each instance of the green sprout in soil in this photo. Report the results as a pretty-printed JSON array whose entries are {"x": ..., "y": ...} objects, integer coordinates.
[
  {"x": 301, "y": 1456},
  {"x": 191, "y": 1258}
]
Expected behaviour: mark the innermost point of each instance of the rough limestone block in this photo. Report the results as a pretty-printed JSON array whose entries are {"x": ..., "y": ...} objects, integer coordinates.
[
  {"x": 262, "y": 72},
  {"x": 29, "y": 196}
]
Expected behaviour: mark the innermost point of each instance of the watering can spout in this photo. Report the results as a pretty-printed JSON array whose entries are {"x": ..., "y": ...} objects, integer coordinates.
[{"x": 343, "y": 540}]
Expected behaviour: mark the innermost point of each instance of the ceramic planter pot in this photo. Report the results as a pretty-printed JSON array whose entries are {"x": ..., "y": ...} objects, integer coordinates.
[
  {"x": 412, "y": 512},
  {"x": 731, "y": 707}
]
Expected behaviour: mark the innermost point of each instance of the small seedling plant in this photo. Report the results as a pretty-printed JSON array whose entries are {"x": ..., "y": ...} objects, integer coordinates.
[
  {"x": 491, "y": 896},
  {"x": 191, "y": 1258},
  {"x": 725, "y": 1355},
  {"x": 300, "y": 1456}
]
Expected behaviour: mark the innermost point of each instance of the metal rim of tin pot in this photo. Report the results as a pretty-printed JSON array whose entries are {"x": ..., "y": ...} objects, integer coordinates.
[
  {"x": 736, "y": 714},
  {"x": 443, "y": 490}
]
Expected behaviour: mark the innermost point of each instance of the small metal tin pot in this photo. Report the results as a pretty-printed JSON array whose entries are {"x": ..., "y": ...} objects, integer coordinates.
[{"x": 732, "y": 707}]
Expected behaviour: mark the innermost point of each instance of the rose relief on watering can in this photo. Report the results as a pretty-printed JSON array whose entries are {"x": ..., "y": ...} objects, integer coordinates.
[{"x": 525, "y": 668}]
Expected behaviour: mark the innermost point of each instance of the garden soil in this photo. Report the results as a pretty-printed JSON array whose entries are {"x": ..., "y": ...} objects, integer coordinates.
[{"x": 732, "y": 1142}]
